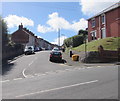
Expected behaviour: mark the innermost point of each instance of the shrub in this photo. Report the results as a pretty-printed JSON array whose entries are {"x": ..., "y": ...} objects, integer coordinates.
[{"x": 74, "y": 41}]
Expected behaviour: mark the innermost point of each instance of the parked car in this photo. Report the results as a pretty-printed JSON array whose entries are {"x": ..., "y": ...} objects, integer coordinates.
[
  {"x": 55, "y": 49},
  {"x": 40, "y": 48},
  {"x": 56, "y": 56},
  {"x": 37, "y": 49},
  {"x": 29, "y": 50}
]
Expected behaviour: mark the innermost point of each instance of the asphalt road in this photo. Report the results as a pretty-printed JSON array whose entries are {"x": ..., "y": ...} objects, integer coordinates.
[
  {"x": 28, "y": 65},
  {"x": 35, "y": 77}
]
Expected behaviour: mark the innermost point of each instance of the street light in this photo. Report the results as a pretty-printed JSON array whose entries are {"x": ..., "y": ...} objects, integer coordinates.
[
  {"x": 59, "y": 37},
  {"x": 85, "y": 48},
  {"x": 63, "y": 36}
]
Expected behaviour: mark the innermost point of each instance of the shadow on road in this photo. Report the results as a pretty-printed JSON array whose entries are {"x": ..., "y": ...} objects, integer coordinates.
[
  {"x": 63, "y": 61},
  {"x": 6, "y": 67}
]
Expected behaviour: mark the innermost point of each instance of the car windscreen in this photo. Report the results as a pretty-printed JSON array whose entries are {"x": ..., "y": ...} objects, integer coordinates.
[
  {"x": 56, "y": 50},
  {"x": 29, "y": 47}
]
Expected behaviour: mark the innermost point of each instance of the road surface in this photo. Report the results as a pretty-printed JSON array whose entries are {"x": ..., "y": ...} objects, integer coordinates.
[{"x": 35, "y": 77}]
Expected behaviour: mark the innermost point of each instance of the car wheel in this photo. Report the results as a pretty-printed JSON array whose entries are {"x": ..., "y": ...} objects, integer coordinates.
[{"x": 50, "y": 60}]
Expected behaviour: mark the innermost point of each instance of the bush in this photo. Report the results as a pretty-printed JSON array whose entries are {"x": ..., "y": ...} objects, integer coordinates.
[
  {"x": 77, "y": 40},
  {"x": 74, "y": 41}
]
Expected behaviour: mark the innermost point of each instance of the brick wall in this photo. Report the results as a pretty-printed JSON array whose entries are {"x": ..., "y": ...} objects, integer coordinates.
[{"x": 109, "y": 55}]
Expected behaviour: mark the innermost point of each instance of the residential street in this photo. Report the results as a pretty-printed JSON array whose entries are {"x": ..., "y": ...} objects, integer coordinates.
[{"x": 35, "y": 77}]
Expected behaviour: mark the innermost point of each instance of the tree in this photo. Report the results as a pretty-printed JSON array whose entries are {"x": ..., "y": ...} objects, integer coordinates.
[
  {"x": 74, "y": 41},
  {"x": 83, "y": 32},
  {"x": 4, "y": 31}
]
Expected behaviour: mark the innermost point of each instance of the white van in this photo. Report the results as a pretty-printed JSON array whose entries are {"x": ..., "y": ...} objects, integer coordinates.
[{"x": 29, "y": 50}]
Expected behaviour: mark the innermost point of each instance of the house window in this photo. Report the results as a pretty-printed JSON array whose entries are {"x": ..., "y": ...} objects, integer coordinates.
[
  {"x": 103, "y": 19},
  {"x": 93, "y": 35},
  {"x": 93, "y": 22}
]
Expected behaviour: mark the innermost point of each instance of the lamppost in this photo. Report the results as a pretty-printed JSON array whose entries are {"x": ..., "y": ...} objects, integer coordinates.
[
  {"x": 63, "y": 36},
  {"x": 85, "y": 48},
  {"x": 59, "y": 37}
]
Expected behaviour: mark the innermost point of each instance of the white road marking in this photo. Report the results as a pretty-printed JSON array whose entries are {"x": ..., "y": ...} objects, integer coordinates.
[
  {"x": 51, "y": 72},
  {"x": 80, "y": 68},
  {"x": 17, "y": 78},
  {"x": 98, "y": 66},
  {"x": 62, "y": 64},
  {"x": 5, "y": 81},
  {"x": 29, "y": 76},
  {"x": 31, "y": 63},
  {"x": 67, "y": 69},
  {"x": 53, "y": 89},
  {"x": 24, "y": 73},
  {"x": 47, "y": 72},
  {"x": 42, "y": 74},
  {"x": 89, "y": 67},
  {"x": 39, "y": 74}
]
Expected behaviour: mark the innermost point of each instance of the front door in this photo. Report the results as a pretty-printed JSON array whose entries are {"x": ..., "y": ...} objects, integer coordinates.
[{"x": 103, "y": 33}]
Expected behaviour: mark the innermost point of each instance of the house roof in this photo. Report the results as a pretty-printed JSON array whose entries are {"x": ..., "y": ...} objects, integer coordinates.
[
  {"x": 28, "y": 32},
  {"x": 116, "y": 5}
]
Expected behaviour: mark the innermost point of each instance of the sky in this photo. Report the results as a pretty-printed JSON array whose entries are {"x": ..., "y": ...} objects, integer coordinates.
[{"x": 45, "y": 18}]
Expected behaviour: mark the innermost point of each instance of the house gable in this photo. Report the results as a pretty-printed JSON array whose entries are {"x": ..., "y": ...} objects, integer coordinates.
[{"x": 20, "y": 36}]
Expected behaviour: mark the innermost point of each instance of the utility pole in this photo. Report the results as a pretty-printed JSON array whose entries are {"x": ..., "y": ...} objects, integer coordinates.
[
  {"x": 85, "y": 50},
  {"x": 59, "y": 37}
]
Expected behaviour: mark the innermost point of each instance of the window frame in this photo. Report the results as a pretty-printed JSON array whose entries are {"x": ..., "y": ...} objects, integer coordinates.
[
  {"x": 103, "y": 18},
  {"x": 94, "y": 35},
  {"x": 93, "y": 23}
]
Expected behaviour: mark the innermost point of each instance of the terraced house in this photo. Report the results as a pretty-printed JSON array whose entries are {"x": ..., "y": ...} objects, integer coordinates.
[
  {"x": 27, "y": 38},
  {"x": 105, "y": 24},
  {"x": 24, "y": 36}
]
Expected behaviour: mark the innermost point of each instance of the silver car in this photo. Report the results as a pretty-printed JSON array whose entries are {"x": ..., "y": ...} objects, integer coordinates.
[{"x": 29, "y": 50}]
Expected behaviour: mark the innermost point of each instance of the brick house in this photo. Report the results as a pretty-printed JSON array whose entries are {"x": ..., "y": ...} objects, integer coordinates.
[
  {"x": 105, "y": 24},
  {"x": 23, "y": 36},
  {"x": 27, "y": 38}
]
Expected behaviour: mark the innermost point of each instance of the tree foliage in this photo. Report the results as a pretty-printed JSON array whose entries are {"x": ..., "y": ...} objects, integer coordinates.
[
  {"x": 4, "y": 31},
  {"x": 77, "y": 39},
  {"x": 74, "y": 41},
  {"x": 83, "y": 32}
]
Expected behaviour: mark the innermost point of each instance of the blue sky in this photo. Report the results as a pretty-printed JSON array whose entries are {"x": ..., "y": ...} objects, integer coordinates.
[{"x": 44, "y": 18}]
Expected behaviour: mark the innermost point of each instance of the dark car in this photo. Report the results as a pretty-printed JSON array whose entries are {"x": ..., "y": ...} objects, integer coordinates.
[{"x": 56, "y": 56}]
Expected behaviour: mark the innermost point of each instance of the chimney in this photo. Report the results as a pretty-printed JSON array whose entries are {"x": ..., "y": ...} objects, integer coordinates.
[{"x": 20, "y": 26}]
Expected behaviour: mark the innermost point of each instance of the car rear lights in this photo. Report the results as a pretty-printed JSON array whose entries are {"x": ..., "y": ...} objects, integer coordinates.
[{"x": 50, "y": 55}]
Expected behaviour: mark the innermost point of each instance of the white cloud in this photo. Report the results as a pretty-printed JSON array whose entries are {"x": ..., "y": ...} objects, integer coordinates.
[
  {"x": 81, "y": 24},
  {"x": 91, "y": 7},
  {"x": 61, "y": 40},
  {"x": 55, "y": 21},
  {"x": 14, "y": 20},
  {"x": 43, "y": 29},
  {"x": 39, "y": 36}
]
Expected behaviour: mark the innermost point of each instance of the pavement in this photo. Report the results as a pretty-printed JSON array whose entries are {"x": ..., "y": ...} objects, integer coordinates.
[{"x": 70, "y": 62}]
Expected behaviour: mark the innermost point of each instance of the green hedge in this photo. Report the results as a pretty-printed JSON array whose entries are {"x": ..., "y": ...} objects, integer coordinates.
[{"x": 74, "y": 41}]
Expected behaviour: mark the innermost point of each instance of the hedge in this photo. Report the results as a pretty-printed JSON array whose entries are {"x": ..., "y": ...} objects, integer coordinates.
[{"x": 74, "y": 41}]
